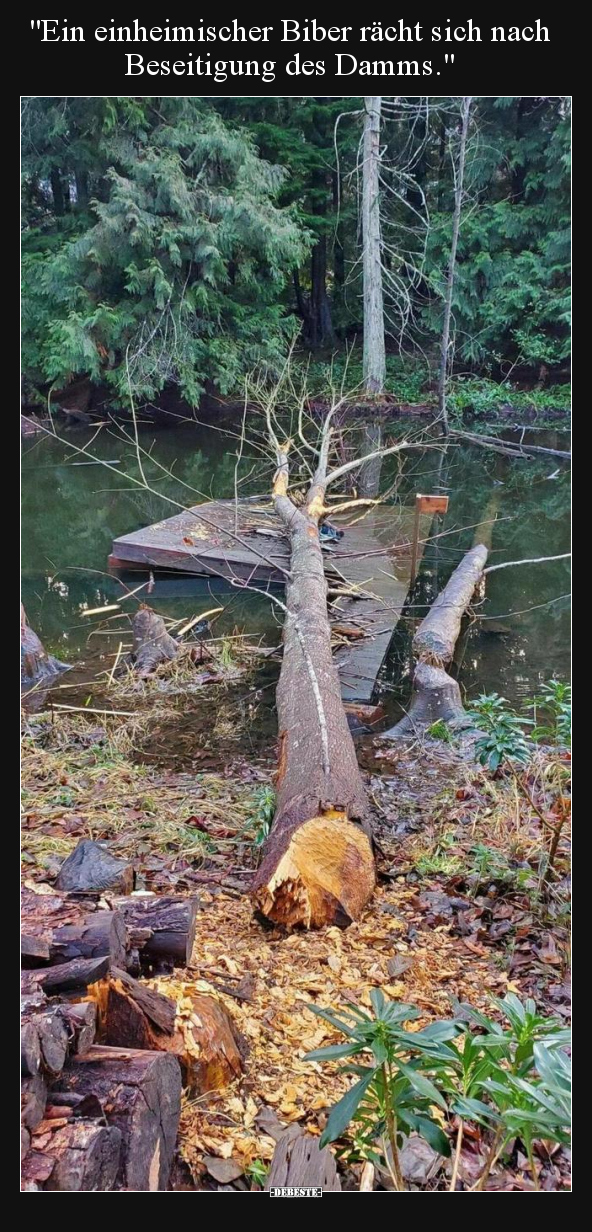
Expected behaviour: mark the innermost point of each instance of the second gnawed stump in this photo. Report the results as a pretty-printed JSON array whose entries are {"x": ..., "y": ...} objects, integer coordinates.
[
  {"x": 188, "y": 1020},
  {"x": 436, "y": 696}
]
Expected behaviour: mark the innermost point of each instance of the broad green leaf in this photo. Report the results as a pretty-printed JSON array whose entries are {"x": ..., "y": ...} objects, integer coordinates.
[{"x": 342, "y": 1113}]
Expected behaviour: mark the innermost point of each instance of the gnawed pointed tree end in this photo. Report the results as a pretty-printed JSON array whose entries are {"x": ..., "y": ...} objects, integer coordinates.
[{"x": 325, "y": 875}]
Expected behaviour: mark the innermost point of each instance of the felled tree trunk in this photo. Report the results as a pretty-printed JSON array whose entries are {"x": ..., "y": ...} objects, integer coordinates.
[
  {"x": 437, "y": 634},
  {"x": 36, "y": 664},
  {"x": 317, "y": 865},
  {"x": 152, "y": 644},
  {"x": 436, "y": 695}
]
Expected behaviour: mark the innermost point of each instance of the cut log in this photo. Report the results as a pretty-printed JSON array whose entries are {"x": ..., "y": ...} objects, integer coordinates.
[
  {"x": 317, "y": 865},
  {"x": 161, "y": 928},
  {"x": 300, "y": 1163},
  {"x": 52, "y": 1035},
  {"x": 65, "y": 977},
  {"x": 81, "y": 1023},
  {"x": 33, "y": 1101},
  {"x": 74, "y": 929},
  {"x": 199, "y": 1032},
  {"x": 36, "y": 664},
  {"x": 90, "y": 867},
  {"x": 438, "y": 632},
  {"x": 30, "y": 1050},
  {"x": 84, "y": 1156},
  {"x": 50, "y": 1032},
  {"x": 152, "y": 644},
  {"x": 140, "y": 1093}
]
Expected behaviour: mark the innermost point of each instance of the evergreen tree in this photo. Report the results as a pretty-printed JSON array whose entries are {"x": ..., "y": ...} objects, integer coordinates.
[{"x": 169, "y": 266}]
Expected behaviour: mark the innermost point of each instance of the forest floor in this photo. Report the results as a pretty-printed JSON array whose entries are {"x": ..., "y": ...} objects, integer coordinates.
[{"x": 459, "y": 915}]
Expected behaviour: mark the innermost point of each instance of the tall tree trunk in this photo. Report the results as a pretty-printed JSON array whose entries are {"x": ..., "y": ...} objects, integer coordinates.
[
  {"x": 81, "y": 189},
  {"x": 318, "y": 866},
  {"x": 320, "y": 311},
  {"x": 57, "y": 192},
  {"x": 369, "y": 481},
  {"x": 374, "y": 348},
  {"x": 458, "y": 198},
  {"x": 338, "y": 246}
]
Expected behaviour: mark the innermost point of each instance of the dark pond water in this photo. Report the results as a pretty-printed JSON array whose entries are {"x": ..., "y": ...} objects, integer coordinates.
[{"x": 73, "y": 508}]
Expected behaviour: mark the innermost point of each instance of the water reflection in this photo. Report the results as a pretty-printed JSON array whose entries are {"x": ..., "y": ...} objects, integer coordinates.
[{"x": 72, "y": 512}]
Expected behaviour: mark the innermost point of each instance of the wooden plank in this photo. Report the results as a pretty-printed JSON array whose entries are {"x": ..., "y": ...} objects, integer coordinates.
[
  {"x": 203, "y": 540},
  {"x": 384, "y": 536},
  {"x": 219, "y": 539}
]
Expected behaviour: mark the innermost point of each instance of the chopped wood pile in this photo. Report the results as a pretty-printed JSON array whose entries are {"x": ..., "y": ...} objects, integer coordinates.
[{"x": 104, "y": 1055}]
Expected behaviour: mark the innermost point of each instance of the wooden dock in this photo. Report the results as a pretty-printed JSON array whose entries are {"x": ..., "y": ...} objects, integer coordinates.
[{"x": 245, "y": 542}]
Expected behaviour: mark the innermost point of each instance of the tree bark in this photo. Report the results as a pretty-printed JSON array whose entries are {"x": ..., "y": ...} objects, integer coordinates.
[
  {"x": 374, "y": 359},
  {"x": 321, "y": 325},
  {"x": 140, "y": 1093},
  {"x": 369, "y": 480},
  {"x": 162, "y": 929},
  {"x": 317, "y": 864},
  {"x": 458, "y": 200}
]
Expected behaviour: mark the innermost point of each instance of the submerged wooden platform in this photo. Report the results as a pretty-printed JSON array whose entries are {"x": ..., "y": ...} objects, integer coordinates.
[{"x": 245, "y": 542}]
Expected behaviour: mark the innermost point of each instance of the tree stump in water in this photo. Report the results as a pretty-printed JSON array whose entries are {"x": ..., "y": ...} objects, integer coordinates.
[
  {"x": 152, "y": 644},
  {"x": 436, "y": 695},
  {"x": 140, "y": 1093}
]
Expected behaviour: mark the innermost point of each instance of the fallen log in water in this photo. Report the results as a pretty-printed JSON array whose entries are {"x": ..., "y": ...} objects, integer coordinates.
[
  {"x": 318, "y": 866},
  {"x": 436, "y": 695},
  {"x": 512, "y": 449},
  {"x": 438, "y": 632},
  {"x": 152, "y": 644}
]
